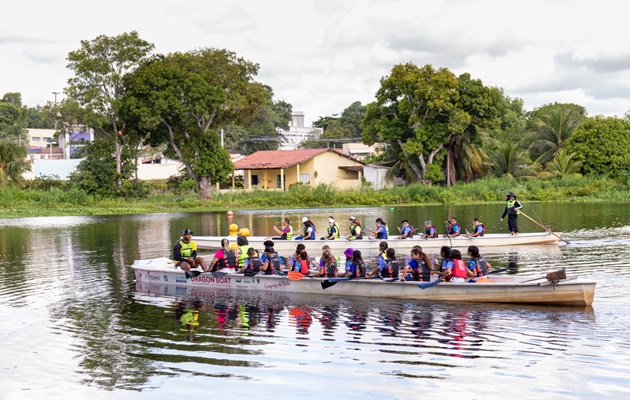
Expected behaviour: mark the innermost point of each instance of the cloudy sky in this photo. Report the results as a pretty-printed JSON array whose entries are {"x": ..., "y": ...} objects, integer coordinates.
[{"x": 322, "y": 55}]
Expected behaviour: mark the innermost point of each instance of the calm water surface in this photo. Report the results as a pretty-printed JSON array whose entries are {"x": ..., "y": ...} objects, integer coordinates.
[{"x": 73, "y": 322}]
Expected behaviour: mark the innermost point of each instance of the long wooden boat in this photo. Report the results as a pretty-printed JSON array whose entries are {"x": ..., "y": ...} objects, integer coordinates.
[
  {"x": 339, "y": 245},
  {"x": 503, "y": 289}
]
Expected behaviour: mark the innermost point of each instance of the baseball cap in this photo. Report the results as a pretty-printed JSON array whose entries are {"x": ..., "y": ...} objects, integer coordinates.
[
  {"x": 187, "y": 232},
  {"x": 304, "y": 219},
  {"x": 428, "y": 221},
  {"x": 331, "y": 220},
  {"x": 269, "y": 249}
]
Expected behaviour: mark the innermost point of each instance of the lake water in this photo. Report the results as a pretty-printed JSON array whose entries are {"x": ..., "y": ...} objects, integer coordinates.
[{"x": 74, "y": 324}]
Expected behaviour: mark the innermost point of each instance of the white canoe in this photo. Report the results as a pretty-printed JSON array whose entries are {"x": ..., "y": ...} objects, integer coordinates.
[
  {"x": 338, "y": 246},
  {"x": 504, "y": 289}
]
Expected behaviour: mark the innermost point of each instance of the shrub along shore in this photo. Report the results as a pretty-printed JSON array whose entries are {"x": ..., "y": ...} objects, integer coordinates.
[{"x": 16, "y": 202}]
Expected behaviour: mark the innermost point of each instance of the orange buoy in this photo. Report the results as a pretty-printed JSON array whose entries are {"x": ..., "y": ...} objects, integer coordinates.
[{"x": 230, "y": 214}]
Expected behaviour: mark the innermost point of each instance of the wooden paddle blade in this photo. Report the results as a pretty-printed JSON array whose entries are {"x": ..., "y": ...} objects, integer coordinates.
[
  {"x": 326, "y": 284},
  {"x": 295, "y": 276},
  {"x": 557, "y": 275},
  {"x": 426, "y": 285}
]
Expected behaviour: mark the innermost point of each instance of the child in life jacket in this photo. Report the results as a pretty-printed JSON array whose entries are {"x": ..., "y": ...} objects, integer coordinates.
[
  {"x": 356, "y": 269},
  {"x": 456, "y": 270},
  {"x": 252, "y": 263},
  {"x": 478, "y": 267}
]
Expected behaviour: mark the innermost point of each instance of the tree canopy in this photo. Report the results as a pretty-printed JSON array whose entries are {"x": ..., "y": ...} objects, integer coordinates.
[
  {"x": 419, "y": 111},
  {"x": 184, "y": 99},
  {"x": 99, "y": 67},
  {"x": 602, "y": 145}
]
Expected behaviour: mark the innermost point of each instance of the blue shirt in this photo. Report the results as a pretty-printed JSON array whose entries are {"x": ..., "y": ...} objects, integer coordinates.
[{"x": 406, "y": 230}]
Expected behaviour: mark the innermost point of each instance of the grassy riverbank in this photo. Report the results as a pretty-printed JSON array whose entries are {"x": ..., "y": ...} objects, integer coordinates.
[{"x": 29, "y": 202}]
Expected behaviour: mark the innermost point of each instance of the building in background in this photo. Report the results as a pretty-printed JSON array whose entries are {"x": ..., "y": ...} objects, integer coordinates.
[
  {"x": 360, "y": 150},
  {"x": 297, "y": 132},
  {"x": 279, "y": 169}
]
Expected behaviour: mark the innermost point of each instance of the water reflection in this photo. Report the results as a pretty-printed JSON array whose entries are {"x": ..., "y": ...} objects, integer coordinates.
[{"x": 70, "y": 302}]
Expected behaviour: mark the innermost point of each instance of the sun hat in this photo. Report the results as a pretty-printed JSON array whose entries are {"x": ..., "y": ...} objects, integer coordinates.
[
  {"x": 187, "y": 232},
  {"x": 304, "y": 219},
  {"x": 511, "y": 194},
  {"x": 348, "y": 252}
]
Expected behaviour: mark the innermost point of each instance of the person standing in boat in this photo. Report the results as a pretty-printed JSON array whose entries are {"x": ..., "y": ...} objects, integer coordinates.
[
  {"x": 287, "y": 231},
  {"x": 381, "y": 230},
  {"x": 224, "y": 258},
  {"x": 185, "y": 253},
  {"x": 332, "y": 232},
  {"x": 453, "y": 229},
  {"x": 309, "y": 230},
  {"x": 479, "y": 229},
  {"x": 355, "y": 229},
  {"x": 512, "y": 210},
  {"x": 430, "y": 232}
]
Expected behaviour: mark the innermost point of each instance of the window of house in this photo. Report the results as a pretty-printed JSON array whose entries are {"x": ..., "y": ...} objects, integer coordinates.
[
  {"x": 305, "y": 179},
  {"x": 254, "y": 181},
  {"x": 35, "y": 139},
  {"x": 278, "y": 183}
]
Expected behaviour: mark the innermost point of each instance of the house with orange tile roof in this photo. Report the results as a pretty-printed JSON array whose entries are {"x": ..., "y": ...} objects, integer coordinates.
[{"x": 279, "y": 169}]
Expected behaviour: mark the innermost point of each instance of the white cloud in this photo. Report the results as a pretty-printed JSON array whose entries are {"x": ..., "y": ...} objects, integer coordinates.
[{"x": 323, "y": 55}]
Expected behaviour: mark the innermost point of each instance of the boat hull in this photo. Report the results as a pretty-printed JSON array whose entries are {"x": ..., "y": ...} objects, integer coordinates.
[
  {"x": 508, "y": 289},
  {"x": 489, "y": 240}
]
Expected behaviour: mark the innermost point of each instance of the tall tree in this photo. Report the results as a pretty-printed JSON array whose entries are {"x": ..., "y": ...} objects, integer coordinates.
[
  {"x": 99, "y": 67},
  {"x": 411, "y": 113},
  {"x": 262, "y": 132},
  {"x": 184, "y": 99},
  {"x": 550, "y": 126},
  {"x": 602, "y": 144},
  {"x": 351, "y": 118},
  {"x": 12, "y": 162},
  {"x": 421, "y": 111}
]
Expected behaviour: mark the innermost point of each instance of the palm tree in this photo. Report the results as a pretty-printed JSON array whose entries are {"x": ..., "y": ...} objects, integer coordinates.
[
  {"x": 511, "y": 161},
  {"x": 551, "y": 130},
  {"x": 12, "y": 162},
  {"x": 562, "y": 165}
]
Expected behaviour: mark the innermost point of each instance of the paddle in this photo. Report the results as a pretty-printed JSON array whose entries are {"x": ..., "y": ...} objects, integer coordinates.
[
  {"x": 332, "y": 281},
  {"x": 195, "y": 273},
  {"x": 497, "y": 271},
  {"x": 552, "y": 276},
  {"x": 295, "y": 275},
  {"x": 426, "y": 285},
  {"x": 542, "y": 226}
]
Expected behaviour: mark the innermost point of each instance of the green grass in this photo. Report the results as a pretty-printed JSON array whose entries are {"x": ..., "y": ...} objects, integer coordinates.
[{"x": 33, "y": 202}]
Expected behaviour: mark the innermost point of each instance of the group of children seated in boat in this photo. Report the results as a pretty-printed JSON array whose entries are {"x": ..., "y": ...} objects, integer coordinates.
[
  {"x": 380, "y": 232},
  {"x": 418, "y": 267}
]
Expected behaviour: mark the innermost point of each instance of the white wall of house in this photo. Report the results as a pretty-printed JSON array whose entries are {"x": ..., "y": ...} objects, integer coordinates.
[{"x": 376, "y": 175}]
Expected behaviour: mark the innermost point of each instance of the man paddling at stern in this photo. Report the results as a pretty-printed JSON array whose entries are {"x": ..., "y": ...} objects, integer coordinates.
[{"x": 185, "y": 253}]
